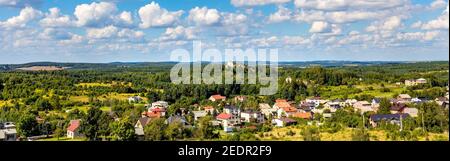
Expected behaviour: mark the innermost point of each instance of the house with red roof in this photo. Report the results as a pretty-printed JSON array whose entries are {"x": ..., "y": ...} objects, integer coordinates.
[
  {"x": 303, "y": 115},
  {"x": 209, "y": 109},
  {"x": 217, "y": 97},
  {"x": 73, "y": 130},
  {"x": 281, "y": 122},
  {"x": 228, "y": 121}
]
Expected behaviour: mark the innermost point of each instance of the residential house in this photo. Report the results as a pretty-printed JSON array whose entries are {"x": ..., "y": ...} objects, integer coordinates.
[
  {"x": 228, "y": 121},
  {"x": 286, "y": 111},
  {"x": 217, "y": 97},
  {"x": 240, "y": 98},
  {"x": 209, "y": 109},
  {"x": 160, "y": 104},
  {"x": 177, "y": 118},
  {"x": 229, "y": 109},
  {"x": 333, "y": 105},
  {"x": 316, "y": 100},
  {"x": 397, "y": 108},
  {"x": 442, "y": 101},
  {"x": 157, "y": 111},
  {"x": 350, "y": 102},
  {"x": 8, "y": 131},
  {"x": 154, "y": 113},
  {"x": 306, "y": 107},
  {"x": 280, "y": 103},
  {"x": 134, "y": 99},
  {"x": 303, "y": 115},
  {"x": 281, "y": 122},
  {"x": 73, "y": 130},
  {"x": 252, "y": 116},
  {"x": 414, "y": 82},
  {"x": 266, "y": 110},
  {"x": 199, "y": 114},
  {"x": 139, "y": 127},
  {"x": 418, "y": 100},
  {"x": 404, "y": 98},
  {"x": 363, "y": 106},
  {"x": 391, "y": 118},
  {"x": 413, "y": 112},
  {"x": 376, "y": 103}
]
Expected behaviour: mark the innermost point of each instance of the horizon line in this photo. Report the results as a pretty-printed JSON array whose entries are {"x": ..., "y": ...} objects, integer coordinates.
[{"x": 287, "y": 61}]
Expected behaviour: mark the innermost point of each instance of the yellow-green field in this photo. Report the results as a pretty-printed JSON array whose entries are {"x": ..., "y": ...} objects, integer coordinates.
[
  {"x": 118, "y": 96},
  {"x": 86, "y": 108},
  {"x": 62, "y": 139},
  {"x": 334, "y": 92},
  {"x": 280, "y": 134},
  {"x": 93, "y": 85},
  {"x": 103, "y": 84}
]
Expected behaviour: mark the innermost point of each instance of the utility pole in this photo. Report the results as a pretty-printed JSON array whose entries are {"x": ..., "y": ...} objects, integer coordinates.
[
  {"x": 423, "y": 123},
  {"x": 364, "y": 125},
  {"x": 401, "y": 122}
]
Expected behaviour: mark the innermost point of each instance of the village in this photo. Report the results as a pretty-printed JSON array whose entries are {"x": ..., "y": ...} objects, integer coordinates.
[{"x": 230, "y": 117}]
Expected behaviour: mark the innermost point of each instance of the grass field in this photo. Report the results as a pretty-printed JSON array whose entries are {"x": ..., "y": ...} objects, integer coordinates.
[
  {"x": 62, "y": 139},
  {"x": 280, "y": 134},
  {"x": 335, "y": 92},
  {"x": 103, "y": 84},
  {"x": 118, "y": 96},
  {"x": 94, "y": 85}
]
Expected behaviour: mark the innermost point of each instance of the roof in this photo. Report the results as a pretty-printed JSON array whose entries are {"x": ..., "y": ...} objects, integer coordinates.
[
  {"x": 410, "y": 110},
  {"x": 230, "y": 107},
  {"x": 158, "y": 110},
  {"x": 218, "y": 96},
  {"x": 199, "y": 113},
  {"x": 287, "y": 120},
  {"x": 208, "y": 107},
  {"x": 379, "y": 117},
  {"x": 224, "y": 116},
  {"x": 144, "y": 121},
  {"x": 442, "y": 99},
  {"x": 74, "y": 125},
  {"x": 264, "y": 106},
  {"x": 404, "y": 96},
  {"x": 303, "y": 115},
  {"x": 280, "y": 100},
  {"x": 282, "y": 104},
  {"x": 398, "y": 107},
  {"x": 153, "y": 114},
  {"x": 174, "y": 118},
  {"x": 289, "y": 109}
]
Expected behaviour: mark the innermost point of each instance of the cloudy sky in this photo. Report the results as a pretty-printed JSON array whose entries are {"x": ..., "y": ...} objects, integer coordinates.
[{"x": 148, "y": 30}]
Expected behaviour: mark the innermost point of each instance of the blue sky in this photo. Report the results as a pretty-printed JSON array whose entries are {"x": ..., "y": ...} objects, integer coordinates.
[{"x": 147, "y": 31}]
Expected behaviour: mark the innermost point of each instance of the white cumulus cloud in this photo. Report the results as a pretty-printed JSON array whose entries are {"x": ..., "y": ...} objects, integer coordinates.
[
  {"x": 282, "y": 14},
  {"x": 95, "y": 14},
  {"x": 152, "y": 15},
  {"x": 204, "y": 16},
  {"x": 55, "y": 19},
  {"x": 320, "y": 27},
  {"x": 440, "y": 23},
  {"x": 26, "y": 15}
]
